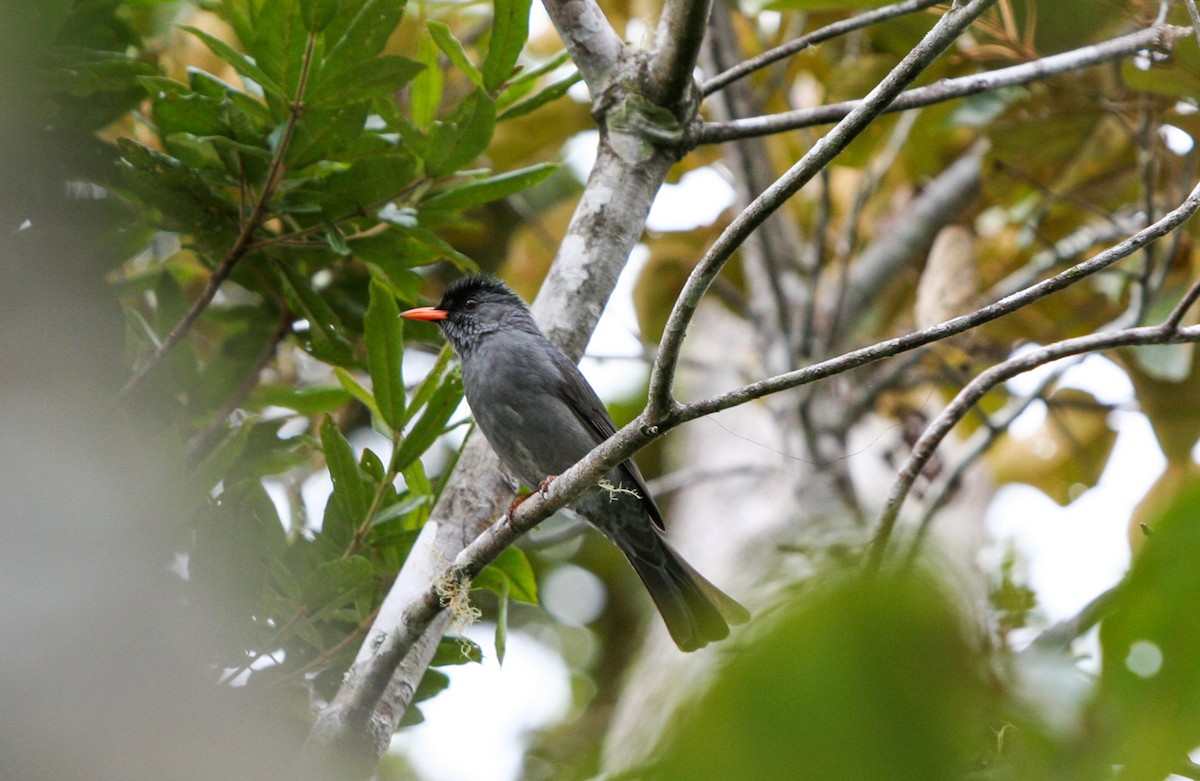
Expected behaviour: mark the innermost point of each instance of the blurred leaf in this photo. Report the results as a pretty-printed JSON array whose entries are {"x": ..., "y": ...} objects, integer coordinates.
[
  {"x": 1149, "y": 696},
  {"x": 901, "y": 694},
  {"x": 450, "y": 46},
  {"x": 463, "y": 136},
  {"x": 399, "y": 509},
  {"x": 510, "y": 28},
  {"x": 473, "y": 193},
  {"x": 1067, "y": 454},
  {"x": 432, "y": 422},
  {"x": 334, "y": 583},
  {"x": 1160, "y": 393},
  {"x": 384, "y": 336}
]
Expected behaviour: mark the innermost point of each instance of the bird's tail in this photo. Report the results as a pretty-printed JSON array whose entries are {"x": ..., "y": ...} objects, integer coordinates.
[{"x": 695, "y": 611}]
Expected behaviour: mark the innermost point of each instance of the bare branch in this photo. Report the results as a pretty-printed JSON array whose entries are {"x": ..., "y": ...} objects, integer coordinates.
[
  {"x": 746, "y": 67},
  {"x": 1158, "y": 36},
  {"x": 975, "y": 390},
  {"x": 890, "y": 347},
  {"x": 680, "y": 36},
  {"x": 949, "y": 27},
  {"x": 596, "y": 49}
]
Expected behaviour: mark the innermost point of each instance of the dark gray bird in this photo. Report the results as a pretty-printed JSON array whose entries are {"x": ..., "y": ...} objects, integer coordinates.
[{"x": 541, "y": 416}]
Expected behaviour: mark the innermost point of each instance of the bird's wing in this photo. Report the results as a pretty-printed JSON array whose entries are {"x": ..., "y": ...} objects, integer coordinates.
[{"x": 591, "y": 412}]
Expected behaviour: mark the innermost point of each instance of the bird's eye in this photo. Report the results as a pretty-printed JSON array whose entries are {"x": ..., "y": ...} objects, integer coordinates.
[{"x": 470, "y": 304}]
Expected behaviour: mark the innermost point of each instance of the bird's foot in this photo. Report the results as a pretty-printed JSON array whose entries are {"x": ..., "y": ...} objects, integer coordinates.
[
  {"x": 544, "y": 486},
  {"x": 512, "y": 508}
]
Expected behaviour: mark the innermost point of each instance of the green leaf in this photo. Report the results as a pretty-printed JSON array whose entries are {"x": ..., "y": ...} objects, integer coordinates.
[
  {"x": 334, "y": 583},
  {"x": 432, "y": 422},
  {"x": 433, "y": 682},
  {"x": 317, "y": 14},
  {"x": 240, "y": 62},
  {"x": 456, "y": 650},
  {"x": 1149, "y": 692},
  {"x": 321, "y": 133},
  {"x": 363, "y": 35},
  {"x": 426, "y": 93},
  {"x": 376, "y": 78},
  {"x": 399, "y": 509},
  {"x": 279, "y": 44},
  {"x": 356, "y": 389},
  {"x": 510, "y": 575},
  {"x": 501, "y": 637},
  {"x": 463, "y": 136},
  {"x": 384, "y": 335},
  {"x": 306, "y": 401},
  {"x": 430, "y": 383},
  {"x": 324, "y": 328},
  {"x": 350, "y": 489},
  {"x": 453, "y": 49},
  {"x": 551, "y": 93},
  {"x": 510, "y": 29},
  {"x": 491, "y": 189}
]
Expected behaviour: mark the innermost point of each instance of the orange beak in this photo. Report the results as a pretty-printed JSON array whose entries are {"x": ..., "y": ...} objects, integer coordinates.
[{"x": 426, "y": 313}]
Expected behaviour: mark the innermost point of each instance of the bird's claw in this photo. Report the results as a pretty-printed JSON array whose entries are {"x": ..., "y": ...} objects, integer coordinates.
[
  {"x": 516, "y": 502},
  {"x": 544, "y": 486}
]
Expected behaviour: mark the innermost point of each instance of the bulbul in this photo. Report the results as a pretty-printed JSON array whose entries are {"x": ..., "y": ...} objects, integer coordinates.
[{"x": 541, "y": 416}]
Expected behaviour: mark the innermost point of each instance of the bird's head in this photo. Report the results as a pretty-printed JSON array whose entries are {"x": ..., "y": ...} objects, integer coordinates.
[{"x": 472, "y": 308}]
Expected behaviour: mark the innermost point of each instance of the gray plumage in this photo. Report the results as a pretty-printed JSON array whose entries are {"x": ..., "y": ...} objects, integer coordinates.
[{"x": 541, "y": 417}]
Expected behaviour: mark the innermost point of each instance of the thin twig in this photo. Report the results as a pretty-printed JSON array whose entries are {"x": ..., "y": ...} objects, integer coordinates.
[
  {"x": 746, "y": 67},
  {"x": 925, "y": 447},
  {"x": 947, "y": 29},
  {"x": 948, "y": 89}
]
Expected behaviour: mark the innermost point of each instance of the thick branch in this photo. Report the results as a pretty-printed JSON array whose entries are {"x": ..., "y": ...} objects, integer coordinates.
[
  {"x": 1158, "y": 36},
  {"x": 681, "y": 31},
  {"x": 746, "y": 67},
  {"x": 596, "y": 49},
  {"x": 949, "y": 27},
  {"x": 356, "y": 726}
]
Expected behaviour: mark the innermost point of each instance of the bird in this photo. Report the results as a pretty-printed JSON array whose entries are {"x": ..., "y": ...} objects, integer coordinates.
[{"x": 541, "y": 416}]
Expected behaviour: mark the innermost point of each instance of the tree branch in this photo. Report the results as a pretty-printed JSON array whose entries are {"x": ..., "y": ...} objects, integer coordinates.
[
  {"x": 975, "y": 390},
  {"x": 593, "y": 44},
  {"x": 900, "y": 344},
  {"x": 677, "y": 47},
  {"x": 949, "y": 27},
  {"x": 746, "y": 67},
  {"x": 1157, "y": 36}
]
